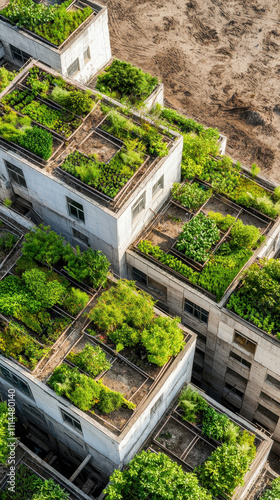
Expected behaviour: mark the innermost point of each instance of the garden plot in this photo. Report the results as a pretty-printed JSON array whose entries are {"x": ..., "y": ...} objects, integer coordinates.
[
  {"x": 96, "y": 144},
  {"x": 8, "y": 240}
]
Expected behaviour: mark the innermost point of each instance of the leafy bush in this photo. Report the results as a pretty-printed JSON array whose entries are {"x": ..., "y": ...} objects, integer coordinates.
[
  {"x": 43, "y": 244},
  {"x": 85, "y": 392},
  {"x": 4, "y": 433},
  {"x": 6, "y": 77},
  {"x": 154, "y": 476},
  {"x": 257, "y": 300},
  {"x": 77, "y": 101},
  {"x": 223, "y": 223},
  {"x": 75, "y": 301},
  {"x": 244, "y": 236},
  {"x": 185, "y": 125},
  {"x": 52, "y": 22},
  {"x": 91, "y": 360},
  {"x": 7, "y": 241},
  {"x": 197, "y": 237},
  {"x": 162, "y": 339},
  {"x": 90, "y": 265},
  {"x": 273, "y": 492},
  {"x": 122, "y": 80},
  {"x": 190, "y": 195},
  {"x": 191, "y": 403}
]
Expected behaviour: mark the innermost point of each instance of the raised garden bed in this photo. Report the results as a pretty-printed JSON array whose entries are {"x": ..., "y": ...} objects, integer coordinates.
[{"x": 8, "y": 239}]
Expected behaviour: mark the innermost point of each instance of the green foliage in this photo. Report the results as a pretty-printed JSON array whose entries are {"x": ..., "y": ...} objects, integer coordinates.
[
  {"x": 197, "y": 238},
  {"x": 84, "y": 392},
  {"x": 75, "y": 301},
  {"x": 154, "y": 476},
  {"x": 191, "y": 196},
  {"x": 43, "y": 244},
  {"x": 17, "y": 343},
  {"x": 91, "y": 360},
  {"x": 77, "y": 101},
  {"x": 162, "y": 339},
  {"x": 191, "y": 403},
  {"x": 52, "y": 22},
  {"x": 4, "y": 433},
  {"x": 127, "y": 316},
  {"x": 124, "y": 81},
  {"x": 244, "y": 236},
  {"x": 48, "y": 294},
  {"x": 29, "y": 486},
  {"x": 273, "y": 492},
  {"x": 91, "y": 265},
  {"x": 184, "y": 124},
  {"x": 7, "y": 202},
  {"x": 150, "y": 141},
  {"x": 108, "y": 178},
  {"x": 255, "y": 170},
  {"x": 218, "y": 426},
  {"x": 258, "y": 299},
  {"x": 225, "y": 468},
  {"x": 6, "y": 77},
  {"x": 7, "y": 241},
  {"x": 223, "y": 223}
]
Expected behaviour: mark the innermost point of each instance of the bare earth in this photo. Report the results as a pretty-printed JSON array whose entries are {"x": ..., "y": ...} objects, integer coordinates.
[{"x": 219, "y": 61}]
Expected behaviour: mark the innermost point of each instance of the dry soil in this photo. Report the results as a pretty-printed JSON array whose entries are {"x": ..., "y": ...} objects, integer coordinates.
[{"x": 219, "y": 61}]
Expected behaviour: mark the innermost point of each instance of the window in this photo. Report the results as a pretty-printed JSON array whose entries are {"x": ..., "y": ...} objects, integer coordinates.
[
  {"x": 16, "y": 381},
  {"x": 240, "y": 359},
  {"x": 16, "y": 174},
  {"x": 80, "y": 236},
  {"x": 196, "y": 311},
  {"x": 33, "y": 412},
  {"x": 69, "y": 420},
  {"x": 139, "y": 205},
  {"x": 233, "y": 390},
  {"x": 236, "y": 375},
  {"x": 73, "y": 68},
  {"x": 19, "y": 55},
  {"x": 139, "y": 276},
  {"x": 267, "y": 413},
  {"x": 86, "y": 55},
  {"x": 245, "y": 343},
  {"x": 273, "y": 381},
  {"x": 269, "y": 399},
  {"x": 199, "y": 354},
  {"x": 76, "y": 210},
  {"x": 158, "y": 186}
]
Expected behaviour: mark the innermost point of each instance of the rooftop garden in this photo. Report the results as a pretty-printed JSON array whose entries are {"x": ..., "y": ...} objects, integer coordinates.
[
  {"x": 7, "y": 240},
  {"x": 204, "y": 440},
  {"x": 126, "y": 317},
  {"x": 29, "y": 486},
  {"x": 54, "y": 23},
  {"x": 201, "y": 160},
  {"x": 140, "y": 141},
  {"x": 6, "y": 77},
  {"x": 257, "y": 297},
  {"x": 209, "y": 250},
  {"x": 42, "y": 300},
  {"x": 273, "y": 492},
  {"x": 154, "y": 476},
  {"x": 126, "y": 83}
]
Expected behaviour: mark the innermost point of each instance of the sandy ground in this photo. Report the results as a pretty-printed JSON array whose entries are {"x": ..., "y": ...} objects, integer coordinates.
[{"x": 219, "y": 61}]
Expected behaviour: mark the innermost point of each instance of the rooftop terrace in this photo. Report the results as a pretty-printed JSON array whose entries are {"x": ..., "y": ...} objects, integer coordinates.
[
  {"x": 54, "y": 23},
  {"x": 205, "y": 439},
  {"x": 79, "y": 136},
  {"x": 120, "y": 358}
]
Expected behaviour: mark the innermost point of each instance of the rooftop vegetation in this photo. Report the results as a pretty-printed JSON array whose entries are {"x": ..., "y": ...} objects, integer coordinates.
[
  {"x": 154, "y": 476},
  {"x": 195, "y": 241},
  {"x": 85, "y": 392},
  {"x": 91, "y": 360},
  {"x": 7, "y": 241},
  {"x": 201, "y": 159},
  {"x": 4, "y": 433},
  {"x": 273, "y": 492},
  {"x": 6, "y": 77},
  {"x": 127, "y": 317},
  {"x": 126, "y": 83},
  {"x": 53, "y": 22},
  {"x": 257, "y": 298},
  {"x": 226, "y": 467},
  {"x": 29, "y": 486}
]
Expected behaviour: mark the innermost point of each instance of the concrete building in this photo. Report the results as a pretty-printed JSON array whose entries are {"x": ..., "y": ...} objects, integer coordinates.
[
  {"x": 235, "y": 362},
  {"x": 85, "y": 215},
  {"x": 80, "y": 56}
]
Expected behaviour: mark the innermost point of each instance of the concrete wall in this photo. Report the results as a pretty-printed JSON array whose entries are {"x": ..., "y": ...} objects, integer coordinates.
[
  {"x": 215, "y": 342},
  {"x": 94, "y": 35},
  {"x": 109, "y": 451},
  {"x": 112, "y": 233}
]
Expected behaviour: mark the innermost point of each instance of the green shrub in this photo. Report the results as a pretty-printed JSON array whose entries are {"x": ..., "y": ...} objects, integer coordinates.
[
  {"x": 273, "y": 492},
  {"x": 90, "y": 265},
  {"x": 222, "y": 222},
  {"x": 43, "y": 244},
  {"x": 191, "y": 403},
  {"x": 244, "y": 236},
  {"x": 162, "y": 339},
  {"x": 190, "y": 195},
  {"x": 126, "y": 81},
  {"x": 37, "y": 140},
  {"x": 6, "y": 77},
  {"x": 197, "y": 237},
  {"x": 4, "y": 433},
  {"x": 75, "y": 301},
  {"x": 7, "y": 241},
  {"x": 91, "y": 360},
  {"x": 154, "y": 476}
]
